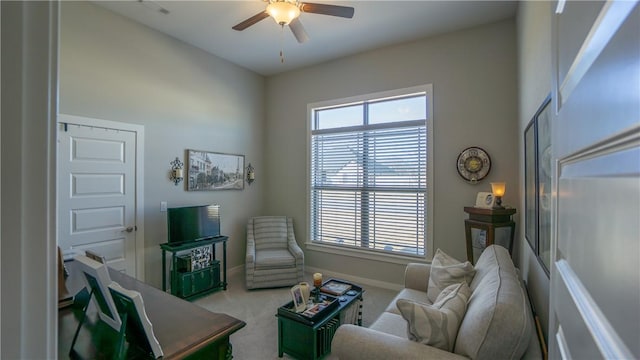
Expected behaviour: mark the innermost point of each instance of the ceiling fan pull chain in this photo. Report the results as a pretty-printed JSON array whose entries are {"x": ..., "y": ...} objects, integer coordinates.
[{"x": 282, "y": 43}]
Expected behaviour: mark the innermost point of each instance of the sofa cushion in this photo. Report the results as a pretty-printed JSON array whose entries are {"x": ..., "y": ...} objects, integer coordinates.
[
  {"x": 497, "y": 324},
  {"x": 446, "y": 270},
  {"x": 408, "y": 294},
  {"x": 437, "y": 324},
  {"x": 392, "y": 324}
]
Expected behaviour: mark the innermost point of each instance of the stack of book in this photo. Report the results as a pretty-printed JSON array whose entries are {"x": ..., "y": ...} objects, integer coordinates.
[{"x": 335, "y": 287}]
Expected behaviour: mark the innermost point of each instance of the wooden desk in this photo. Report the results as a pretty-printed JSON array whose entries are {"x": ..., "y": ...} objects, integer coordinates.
[{"x": 182, "y": 329}]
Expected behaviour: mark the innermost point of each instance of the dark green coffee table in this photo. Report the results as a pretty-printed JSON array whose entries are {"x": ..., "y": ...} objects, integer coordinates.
[{"x": 310, "y": 338}]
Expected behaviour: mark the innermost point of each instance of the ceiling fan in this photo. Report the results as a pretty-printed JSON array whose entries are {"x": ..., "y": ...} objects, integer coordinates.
[{"x": 286, "y": 12}]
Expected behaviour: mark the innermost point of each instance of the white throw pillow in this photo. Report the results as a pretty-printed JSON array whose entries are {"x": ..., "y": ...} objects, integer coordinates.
[
  {"x": 446, "y": 270},
  {"x": 436, "y": 325}
]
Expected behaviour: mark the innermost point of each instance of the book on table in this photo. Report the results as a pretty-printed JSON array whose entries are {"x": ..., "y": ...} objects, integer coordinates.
[{"x": 335, "y": 287}]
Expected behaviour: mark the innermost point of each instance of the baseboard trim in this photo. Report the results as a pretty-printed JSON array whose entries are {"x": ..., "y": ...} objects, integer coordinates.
[
  {"x": 234, "y": 270},
  {"x": 327, "y": 274},
  {"x": 356, "y": 279}
]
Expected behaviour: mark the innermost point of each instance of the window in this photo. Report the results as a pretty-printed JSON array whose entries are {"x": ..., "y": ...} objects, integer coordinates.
[{"x": 368, "y": 172}]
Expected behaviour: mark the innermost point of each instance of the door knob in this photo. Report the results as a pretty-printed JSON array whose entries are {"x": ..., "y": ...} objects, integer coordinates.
[{"x": 129, "y": 229}]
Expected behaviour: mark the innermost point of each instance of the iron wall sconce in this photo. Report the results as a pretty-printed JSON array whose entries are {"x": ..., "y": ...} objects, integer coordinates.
[
  {"x": 251, "y": 174},
  {"x": 176, "y": 175}
]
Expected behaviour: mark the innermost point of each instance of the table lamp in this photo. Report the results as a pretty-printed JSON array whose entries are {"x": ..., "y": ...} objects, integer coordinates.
[{"x": 498, "y": 189}]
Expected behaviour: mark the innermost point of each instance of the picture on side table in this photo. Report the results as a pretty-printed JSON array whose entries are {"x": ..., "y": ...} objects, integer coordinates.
[{"x": 298, "y": 300}]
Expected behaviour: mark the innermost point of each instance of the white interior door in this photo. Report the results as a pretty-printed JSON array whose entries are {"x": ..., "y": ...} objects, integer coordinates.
[
  {"x": 96, "y": 193},
  {"x": 595, "y": 278}
]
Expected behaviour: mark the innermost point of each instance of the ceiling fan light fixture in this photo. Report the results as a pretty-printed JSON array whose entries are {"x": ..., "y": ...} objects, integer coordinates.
[{"x": 283, "y": 11}]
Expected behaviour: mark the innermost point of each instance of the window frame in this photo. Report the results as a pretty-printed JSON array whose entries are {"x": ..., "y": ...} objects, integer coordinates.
[{"x": 363, "y": 253}]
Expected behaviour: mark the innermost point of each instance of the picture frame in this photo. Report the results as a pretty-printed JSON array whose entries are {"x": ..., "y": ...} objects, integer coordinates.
[
  {"x": 95, "y": 256},
  {"x": 97, "y": 281},
  {"x": 138, "y": 329},
  {"x": 214, "y": 171},
  {"x": 537, "y": 181},
  {"x": 543, "y": 182},
  {"x": 530, "y": 187},
  {"x": 298, "y": 299}
]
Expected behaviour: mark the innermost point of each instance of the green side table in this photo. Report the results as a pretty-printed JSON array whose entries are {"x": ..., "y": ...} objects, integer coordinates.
[{"x": 305, "y": 338}]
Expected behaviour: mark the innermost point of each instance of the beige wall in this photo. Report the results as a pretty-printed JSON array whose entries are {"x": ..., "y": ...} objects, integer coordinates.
[
  {"x": 474, "y": 77},
  {"x": 114, "y": 69},
  {"x": 534, "y": 54}
]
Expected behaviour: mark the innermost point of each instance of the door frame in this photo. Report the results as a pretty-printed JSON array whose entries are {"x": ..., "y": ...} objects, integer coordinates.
[{"x": 139, "y": 173}]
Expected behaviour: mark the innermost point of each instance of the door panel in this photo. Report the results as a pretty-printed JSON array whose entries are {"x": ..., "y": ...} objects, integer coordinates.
[
  {"x": 604, "y": 101},
  {"x": 595, "y": 279},
  {"x": 574, "y": 25},
  {"x": 97, "y": 193},
  {"x": 598, "y": 215}
]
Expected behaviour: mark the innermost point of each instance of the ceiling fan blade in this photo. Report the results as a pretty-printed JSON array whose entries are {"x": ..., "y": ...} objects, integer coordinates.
[
  {"x": 250, "y": 21},
  {"x": 298, "y": 30},
  {"x": 325, "y": 9}
]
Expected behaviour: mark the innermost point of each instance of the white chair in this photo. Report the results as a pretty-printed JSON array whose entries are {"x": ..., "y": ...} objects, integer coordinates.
[{"x": 273, "y": 257}]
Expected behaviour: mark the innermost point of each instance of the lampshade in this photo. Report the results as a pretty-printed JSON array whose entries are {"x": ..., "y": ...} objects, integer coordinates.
[
  {"x": 498, "y": 188},
  {"x": 283, "y": 12}
]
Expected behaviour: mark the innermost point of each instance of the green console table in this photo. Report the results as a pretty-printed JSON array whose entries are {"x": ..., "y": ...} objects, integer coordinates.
[{"x": 189, "y": 283}]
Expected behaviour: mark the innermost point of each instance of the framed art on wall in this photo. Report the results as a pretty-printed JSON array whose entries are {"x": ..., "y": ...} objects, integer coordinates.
[
  {"x": 530, "y": 203},
  {"x": 537, "y": 183},
  {"x": 215, "y": 171},
  {"x": 544, "y": 161}
]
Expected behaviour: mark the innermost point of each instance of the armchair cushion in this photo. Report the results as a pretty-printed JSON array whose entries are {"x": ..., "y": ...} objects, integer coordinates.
[
  {"x": 274, "y": 259},
  {"x": 270, "y": 232}
]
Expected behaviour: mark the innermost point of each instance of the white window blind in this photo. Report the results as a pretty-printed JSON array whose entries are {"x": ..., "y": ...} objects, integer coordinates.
[{"x": 368, "y": 181}]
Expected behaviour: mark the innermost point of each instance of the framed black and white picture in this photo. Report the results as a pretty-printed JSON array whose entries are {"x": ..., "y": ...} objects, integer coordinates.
[
  {"x": 538, "y": 164},
  {"x": 214, "y": 171}
]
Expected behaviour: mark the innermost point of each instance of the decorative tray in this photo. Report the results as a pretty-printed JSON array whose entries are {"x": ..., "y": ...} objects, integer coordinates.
[{"x": 313, "y": 313}]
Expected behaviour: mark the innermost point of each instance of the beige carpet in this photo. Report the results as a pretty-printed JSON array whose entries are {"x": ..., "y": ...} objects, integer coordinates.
[{"x": 259, "y": 338}]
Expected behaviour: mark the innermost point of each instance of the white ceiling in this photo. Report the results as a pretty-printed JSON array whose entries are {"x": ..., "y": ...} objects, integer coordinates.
[{"x": 207, "y": 25}]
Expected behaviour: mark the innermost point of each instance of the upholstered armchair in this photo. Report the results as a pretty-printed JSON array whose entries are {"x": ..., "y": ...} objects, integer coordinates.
[{"x": 273, "y": 257}]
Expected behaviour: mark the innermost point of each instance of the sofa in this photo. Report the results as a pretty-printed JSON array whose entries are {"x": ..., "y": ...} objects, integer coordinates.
[{"x": 496, "y": 324}]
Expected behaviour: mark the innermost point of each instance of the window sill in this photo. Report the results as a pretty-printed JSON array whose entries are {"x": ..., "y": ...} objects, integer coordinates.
[{"x": 363, "y": 254}]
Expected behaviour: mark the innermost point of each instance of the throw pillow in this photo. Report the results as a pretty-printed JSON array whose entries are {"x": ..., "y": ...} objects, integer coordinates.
[
  {"x": 436, "y": 325},
  {"x": 446, "y": 270}
]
